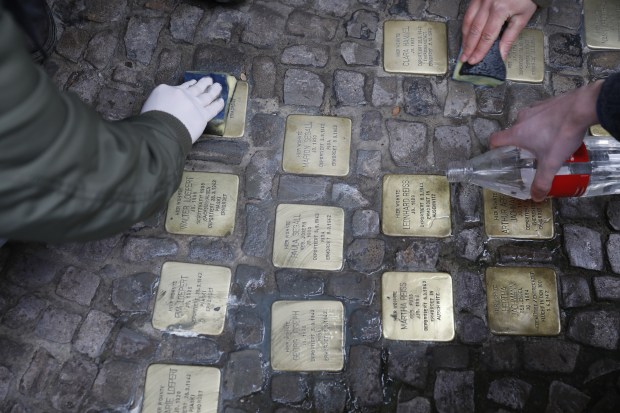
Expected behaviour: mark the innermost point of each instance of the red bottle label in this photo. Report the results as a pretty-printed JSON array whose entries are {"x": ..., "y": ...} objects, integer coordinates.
[{"x": 572, "y": 185}]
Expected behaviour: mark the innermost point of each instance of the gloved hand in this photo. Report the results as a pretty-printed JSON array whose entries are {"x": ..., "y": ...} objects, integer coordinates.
[{"x": 193, "y": 103}]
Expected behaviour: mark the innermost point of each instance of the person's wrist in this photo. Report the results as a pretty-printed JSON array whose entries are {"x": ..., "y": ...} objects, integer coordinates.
[{"x": 584, "y": 108}]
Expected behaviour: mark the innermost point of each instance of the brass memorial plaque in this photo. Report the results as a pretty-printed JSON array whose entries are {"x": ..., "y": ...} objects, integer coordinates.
[
  {"x": 204, "y": 204},
  {"x": 173, "y": 388},
  {"x": 317, "y": 145},
  {"x": 307, "y": 335},
  {"x": 507, "y": 217},
  {"x": 417, "y": 47},
  {"x": 417, "y": 306},
  {"x": 416, "y": 206},
  {"x": 601, "y": 24},
  {"x": 237, "y": 109},
  {"x": 191, "y": 299},
  {"x": 526, "y": 59},
  {"x": 308, "y": 236},
  {"x": 523, "y": 301},
  {"x": 598, "y": 130}
]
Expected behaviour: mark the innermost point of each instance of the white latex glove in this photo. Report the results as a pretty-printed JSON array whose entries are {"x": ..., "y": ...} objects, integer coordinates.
[{"x": 193, "y": 103}]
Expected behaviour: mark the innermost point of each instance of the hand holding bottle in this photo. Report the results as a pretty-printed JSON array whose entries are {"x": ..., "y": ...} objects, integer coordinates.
[
  {"x": 483, "y": 22},
  {"x": 552, "y": 130}
]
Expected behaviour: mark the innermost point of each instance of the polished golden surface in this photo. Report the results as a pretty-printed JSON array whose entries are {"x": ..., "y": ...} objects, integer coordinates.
[
  {"x": 204, "y": 204},
  {"x": 507, "y": 217},
  {"x": 416, "y": 205},
  {"x": 417, "y": 306},
  {"x": 192, "y": 299},
  {"x": 308, "y": 236},
  {"x": 523, "y": 301},
  {"x": 601, "y": 24},
  {"x": 176, "y": 388},
  {"x": 237, "y": 109},
  {"x": 598, "y": 130},
  {"x": 317, "y": 145},
  {"x": 307, "y": 335},
  {"x": 526, "y": 59},
  {"x": 416, "y": 47}
]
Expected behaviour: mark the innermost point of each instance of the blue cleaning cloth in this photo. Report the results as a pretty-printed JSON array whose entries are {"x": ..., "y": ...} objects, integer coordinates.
[{"x": 223, "y": 80}]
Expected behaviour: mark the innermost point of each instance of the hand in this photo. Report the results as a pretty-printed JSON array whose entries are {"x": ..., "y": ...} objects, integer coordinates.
[
  {"x": 552, "y": 130},
  {"x": 483, "y": 22},
  {"x": 193, "y": 103}
]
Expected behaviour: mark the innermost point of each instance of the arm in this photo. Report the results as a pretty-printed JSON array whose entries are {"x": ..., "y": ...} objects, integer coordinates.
[
  {"x": 483, "y": 23},
  {"x": 65, "y": 173}
]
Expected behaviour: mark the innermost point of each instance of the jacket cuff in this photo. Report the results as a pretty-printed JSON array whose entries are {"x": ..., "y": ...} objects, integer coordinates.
[
  {"x": 177, "y": 127},
  {"x": 542, "y": 3},
  {"x": 608, "y": 105}
]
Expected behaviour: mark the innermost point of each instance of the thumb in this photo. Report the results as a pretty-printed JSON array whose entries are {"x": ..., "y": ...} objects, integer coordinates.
[
  {"x": 543, "y": 180},
  {"x": 501, "y": 138}
]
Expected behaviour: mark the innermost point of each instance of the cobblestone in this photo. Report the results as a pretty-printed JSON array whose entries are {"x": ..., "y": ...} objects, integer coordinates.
[
  {"x": 134, "y": 292},
  {"x": 365, "y": 326},
  {"x": 329, "y": 397},
  {"x": 57, "y": 325},
  {"x": 183, "y": 22},
  {"x": 461, "y": 100},
  {"x": 550, "y": 356},
  {"x": 310, "y": 26},
  {"x": 584, "y": 247},
  {"x": 301, "y": 188},
  {"x": 40, "y": 373},
  {"x": 419, "y": 256},
  {"x": 133, "y": 345},
  {"x": 365, "y": 223},
  {"x": 365, "y": 375},
  {"x": 420, "y": 99},
  {"x": 94, "y": 332},
  {"x": 407, "y": 142},
  {"x": 565, "y": 50},
  {"x": 74, "y": 381},
  {"x": 385, "y": 91},
  {"x": 243, "y": 374},
  {"x": 349, "y": 87},
  {"x": 510, "y": 392},
  {"x": 116, "y": 382},
  {"x": 363, "y": 25},
  {"x": 141, "y": 38},
  {"x": 303, "y": 88},
  {"x": 6, "y": 377},
  {"x": 78, "y": 285},
  {"x": 146, "y": 249},
  {"x": 101, "y": 48},
  {"x": 25, "y": 314},
  {"x": 291, "y": 284},
  {"x": 264, "y": 68},
  {"x": 249, "y": 329},
  {"x": 454, "y": 391},
  {"x": 408, "y": 364},
  {"x": 501, "y": 356},
  {"x": 288, "y": 388},
  {"x": 607, "y": 288},
  {"x": 565, "y": 399},
  {"x": 358, "y": 55},
  {"x": 575, "y": 291},
  {"x": 451, "y": 143},
  {"x": 366, "y": 255},
  {"x": 596, "y": 328}
]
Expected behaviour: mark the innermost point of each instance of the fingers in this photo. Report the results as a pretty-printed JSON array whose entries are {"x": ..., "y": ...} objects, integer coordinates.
[
  {"x": 200, "y": 86},
  {"x": 501, "y": 138},
  {"x": 214, "y": 108},
  {"x": 510, "y": 35},
  {"x": 188, "y": 84},
  {"x": 542, "y": 181},
  {"x": 488, "y": 35},
  {"x": 471, "y": 38},
  {"x": 470, "y": 15},
  {"x": 209, "y": 95}
]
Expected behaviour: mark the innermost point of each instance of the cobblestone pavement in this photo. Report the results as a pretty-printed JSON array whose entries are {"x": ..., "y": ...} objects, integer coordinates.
[{"x": 76, "y": 332}]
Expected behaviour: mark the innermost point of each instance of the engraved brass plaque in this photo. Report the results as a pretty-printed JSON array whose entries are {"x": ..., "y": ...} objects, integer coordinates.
[
  {"x": 598, "y": 130},
  {"x": 317, "y": 145},
  {"x": 526, "y": 59},
  {"x": 308, "y": 236},
  {"x": 237, "y": 109},
  {"x": 175, "y": 388},
  {"x": 417, "y": 47},
  {"x": 417, "y": 306},
  {"x": 523, "y": 301},
  {"x": 507, "y": 217},
  {"x": 204, "y": 204},
  {"x": 416, "y": 206},
  {"x": 601, "y": 24},
  {"x": 307, "y": 335},
  {"x": 192, "y": 299}
]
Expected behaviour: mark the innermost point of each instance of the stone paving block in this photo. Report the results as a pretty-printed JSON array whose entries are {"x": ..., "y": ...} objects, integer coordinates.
[
  {"x": 355, "y": 54},
  {"x": 385, "y": 91},
  {"x": 116, "y": 382},
  {"x": 565, "y": 13},
  {"x": 483, "y": 129},
  {"x": 468, "y": 204},
  {"x": 25, "y": 314},
  {"x": 351, "y": 287},
  {"x": 14, "y": 354},
  {"x": 258, "y": 218},
  {"x": 126, "y": 76},
  {"x": 6, "y": 378},
  {"x": 364, "y": 371},
  {"x": 566, "y": 399},
  {"x": 249, "y": 329},
  {"x": 365, "y": 222},
  {"x": 584, "y": 247},
  {"x": 491, "y": 100},
  {"x": 141, "y": 37},
  {"x": 221, "y": 25},
  {"x": 415, "y": 405},
  {"x": 443, "y": 8},
  {"x": 259, "y": 175},
  {"x": 310, "y": 26},
  {"x": 469, "y": 293},
  {"x": 607, "y": 288},
  {"x": 501, "y": 356},
  {"x": 582, "y": 208},
  {"x": 105, "y": 11},
  {"x": 306, "y": 55},
  {"x": 205, "y": 250},
  {"x": 57, "y": 325},
  {"x": 596, "y": 328},
  {"x": 563, "y": 84},
  {"x": 301, "y": 188},
  {"x": 78, "y": 285},
  {"x": 337, "y": 8},
  {"x": 42, "y": 369},
  {"x": 348, "y": 197},
  {"x": 407, "y": 142},
  {"x": 265, "y": 26},
  {"x": 219, "y": 150},
  {"x": 168, "y": 67},
  {"x": 470, "y": 242},
  {"x": 101, "y": 48},
  {"x": 365, "y": 325},
  {"x": 115, "y": 104},
  {"x": 288, "y": 388},
  {"x": 601, "y": 368},
  {"x": 349, "y": 87},
  {"x": 95, "y": 251},
  {"x": 294, "y": 284},
  {"x": 329, "y": 397},
  {"x": 603, "y": 64},
  {"x": 247, "y": 281},
  {"x": 369, "y": 163},
  {"x": 72, "y": 385},
  {"x": 144, "y": 249},
  {"x": 418, "y": 256},
  {"x": 420, "y": 98},
  {"x": 521, "y": 96},
  {"x": 366, "y": 255},
  {"x": 31, "y": 272},
  {"x": 183, "y": 22},
  {"x": 94, "y": 332},
  {"x": 528, "y": 255},
  {"x": 190, "y": 350},
  {"x": 461, "y": 101},
  {"x": 575, "y": 291},
  {"x": 451, "y": 143},
  {"x": 409, "y": 364},
  {"x": 303, "y": 88},
  {"x": 363, "y": 25},
  {"x": 243, "y": 374},
  {"x": 264, "y": 77},
  {"x": 222, "y": 59},
  {"x": 134, "y": 292},
  {"x": 550, "y": 356},
  {"x": 471, "y": 329},
  {"x": 613, "y": 243},
  {"x": 72, "y": 43},
  {"x": 454, "y": 391},
  {"x": 371, "y": 126},
  {"x": 613, "y": 214},
  {"x": 510, "y": 392},
  {"x": 565, "y": 51},
  {"x": 268, "y": 130},
  {"x": 133, "y": 345}
]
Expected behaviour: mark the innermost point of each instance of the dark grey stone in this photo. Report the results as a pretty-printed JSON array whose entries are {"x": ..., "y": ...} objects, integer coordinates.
[
  {"x": 14, "y": 354},
  {"x": 501, "y": 356},
  {"x": 613, "y": 252},
  {"x": 143, "y": 249},
  {"x": 134, "y": 292},
  {"x": 470, "y": 243},
  {"x": 409, "y": 364},
  {"x": 349, "y": 88},
  {"x": 86, "y": 84},
  {"x": 25, "y": 314},
  {"x": 169, "y": 67},
  {"x": 407, "y": 143},
  {"x": 329, "y": 397},
  {"x": 57, "y": 325},
  {"x": 303, "y": 88},
  {"x": 385, "y": 91},
  {"x": 264, "y": 77},
  {"x": 141, "y": 37},
  {"x": 510, "y": 392},
  {"x": 248, "y": 281},
  {"x": 31, "y": 272},
  {"x": 225, "y": 151},
  {"x": 6, "y": 378},
  {"x": 116, "y": 382},
  {"x": 365, "y": 325},
  {"x": 302, "y": 188},
  {"x": 305, "y": 55},
  {"x": 483, "y": 129},
  {"x": 41, "y": 371},
  {"x": 72, "y": 385},
  {"x": 134, "y": 345},
  {"x": 565, "y": 51},
  {"x": 292, "y": 283},
  {"x": 115, "y": 104},
  {"x": 220, "y": 59},
  {"x": 94, "y": 333},
  {"x": 444, "y": 8},
  {"x": 491, "y": 99},
  {"x": 183, "y": 22},
  {"x": 420, "y": 98},
  {"x": 101, "y": 48},
  {"x": 565, "y": 13},
  {"x": 249, "y": 329},
  {"x": 123, "y": 74},
  {"x": 603, "y": 64},
  {"x": 566, "y": 399},
  {"x": 78, "y": 285},
  {"x": 471, "y": 329},
  {"x": 365, "y": 222},
  {"x": 267, "y": 129},
  {"x": 207, "y": 250},
  {"x": 259, "y": 175},
  {"x": 337, "y": 8},
  {"x": 461, "y": 100},
  {"x": 288, "y": 388},
  {"x": 563, "y": 84},
  {"x": 469, "y": 293},
  {"x": 582, "y": 208},
  {"x": 575, "y": 291},
  {"x": 607, "y": 288},
  {"x": 258, "y": 218},
  {"x": 451, "y": 143},
  {"x": 72, "y": 43},
  {"x": 348, "y": 197},
  {"x": 95, "y": 251},
  {"x": 363, "y": 25},
  {"x": 364, "y": 373},
  {"x": 522, "y": 254},
  {"x": 368, "y": 164},
  {"x": 356, "y": 54},
  {"x": 602, "y": 368},
  {"x": 454, "y": 391},
  {"x": 351, "y": 287},
  {"x": 550, "y": 356},
  {"x": 415, "y": 405},
  {"x": 521, "y": 96},
  {"x": 584, "y": 247},
  {"x": 243, "y": 374},
  {"x": 366, "y": 255},
  {"x": 105, "y": 11},
  {"x": 419, "y": 255},
  {"x": 310, "y": 26},
  {"x": 613, "y": 213},
  {"x": 371, "y": 127},
  {"x": 191, "y": 350},
  {"x": 221, "y": 25},
  {"x": 596, "y": 328},
  {"x": 265, "y": 27}
]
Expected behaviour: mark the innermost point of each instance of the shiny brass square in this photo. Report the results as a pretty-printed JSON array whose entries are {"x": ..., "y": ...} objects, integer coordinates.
[
  {"x": 601, "y": 24},
  {"x": 507, "y": 217},
  {"x": 522, "y": 301},
  {"x": 416, "y": 47},
  {"x": 598, "y": 130},
  {"x": 192, "y": 299},
  {"x": 417, "y": 306},
  {"x": 204, "y": 204},
  {"x": 307, "y": 336},
  {"x": 308, "y": 236},
  {"x": 175, "y": 388},
  {"x": 526, "y": 59},
  {"x": 317, "y": 145},
  {"x": 237, "y": 110},
  {"x": 416, "y": 206}
]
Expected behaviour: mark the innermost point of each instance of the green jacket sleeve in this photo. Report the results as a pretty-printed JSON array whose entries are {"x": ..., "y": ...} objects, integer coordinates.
[{"x": 65, "y": 173}]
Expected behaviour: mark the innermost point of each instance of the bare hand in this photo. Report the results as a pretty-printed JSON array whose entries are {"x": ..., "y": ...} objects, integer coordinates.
[
  {"x": 552, "y": 130},
  {"x": 483, "y": 22}
]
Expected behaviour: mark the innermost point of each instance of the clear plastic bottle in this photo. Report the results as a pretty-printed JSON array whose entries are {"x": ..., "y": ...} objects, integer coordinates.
[{"x": 594, "y": 169}]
